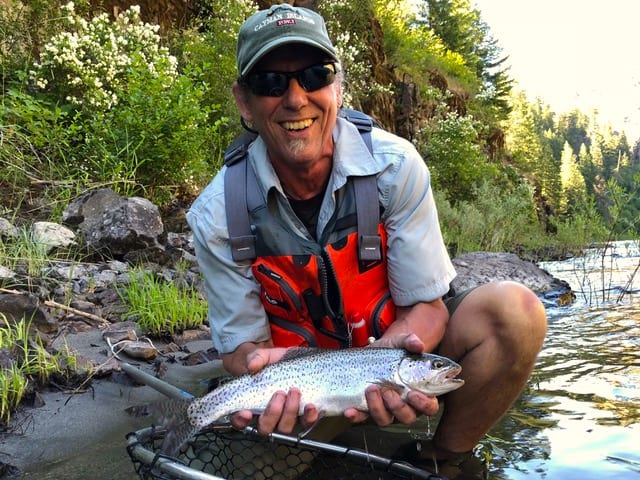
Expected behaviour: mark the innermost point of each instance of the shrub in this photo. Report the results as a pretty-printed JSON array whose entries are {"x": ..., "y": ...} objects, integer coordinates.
[
  {"x": 134, "y": 121},
  {"x": 495, "y": 221},
  {"x": 88, "y": 65},
  {"x": 451, "y": 148}
]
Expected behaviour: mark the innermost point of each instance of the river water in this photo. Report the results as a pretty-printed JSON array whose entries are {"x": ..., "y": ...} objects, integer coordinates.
[{"x": 578, "y": 417}]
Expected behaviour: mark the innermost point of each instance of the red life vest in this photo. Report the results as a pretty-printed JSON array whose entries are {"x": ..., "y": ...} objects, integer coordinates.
[{"x": 328, "y": 300}]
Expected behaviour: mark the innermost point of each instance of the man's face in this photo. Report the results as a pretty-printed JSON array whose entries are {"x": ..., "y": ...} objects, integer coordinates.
[{"x": 297, "y": 126}]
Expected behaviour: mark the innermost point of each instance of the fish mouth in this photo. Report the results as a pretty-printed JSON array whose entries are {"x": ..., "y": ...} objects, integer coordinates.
[{"x": 448, "y": 375}]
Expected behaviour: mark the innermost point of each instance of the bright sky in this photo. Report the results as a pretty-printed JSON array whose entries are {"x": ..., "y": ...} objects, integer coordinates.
[{"x": 581, "y": 54}]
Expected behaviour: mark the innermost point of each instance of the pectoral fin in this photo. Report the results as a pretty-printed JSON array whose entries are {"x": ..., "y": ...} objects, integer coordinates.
[{"x": 388, "y": 384}]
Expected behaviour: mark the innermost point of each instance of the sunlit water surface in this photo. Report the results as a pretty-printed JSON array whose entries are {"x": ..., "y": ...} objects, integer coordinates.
[{"x": 579, "y": 417}]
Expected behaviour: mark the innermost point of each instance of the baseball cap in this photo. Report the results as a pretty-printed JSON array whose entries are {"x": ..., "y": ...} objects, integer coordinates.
[{"x": 280, "y": 25}]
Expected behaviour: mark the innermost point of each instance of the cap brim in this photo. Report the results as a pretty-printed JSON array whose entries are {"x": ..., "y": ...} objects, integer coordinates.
[{"x": 285, "y": 40}]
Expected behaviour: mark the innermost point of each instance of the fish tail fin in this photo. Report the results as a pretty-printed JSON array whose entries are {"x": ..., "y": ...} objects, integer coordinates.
[{"x": 173, "y": 416}]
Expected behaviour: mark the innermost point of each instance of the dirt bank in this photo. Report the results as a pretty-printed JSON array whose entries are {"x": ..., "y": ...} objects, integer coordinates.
[{"x": 81, "y": 435}]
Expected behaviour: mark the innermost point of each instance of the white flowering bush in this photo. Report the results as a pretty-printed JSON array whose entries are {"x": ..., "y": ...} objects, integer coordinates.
[
  {"x": 88, "y": 64},
  {"x": 135, "y": 121}
]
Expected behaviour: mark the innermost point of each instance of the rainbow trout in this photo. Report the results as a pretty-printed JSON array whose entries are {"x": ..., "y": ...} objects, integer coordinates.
[{"x": 333, "y": 380}]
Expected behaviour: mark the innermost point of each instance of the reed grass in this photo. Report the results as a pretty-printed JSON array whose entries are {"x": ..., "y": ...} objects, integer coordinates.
[
  {"x": 30, "y": 362},
  {"x": 161, "y": 307}
]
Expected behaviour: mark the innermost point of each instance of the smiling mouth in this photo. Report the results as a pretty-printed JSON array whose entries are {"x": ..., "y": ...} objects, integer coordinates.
[{"x": 298, "y": 125}]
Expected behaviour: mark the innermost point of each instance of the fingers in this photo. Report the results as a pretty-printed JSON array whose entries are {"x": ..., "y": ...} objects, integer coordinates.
[
  {"x": 241, "y": 419},
  {"x": 355, "y": 416},
  {"x": 310, "y": 416},
  {"x": 281, "y": 413},
  {"x": 422, "y": 403},
  {"x": 410, "y": 342},
  {"x": 261, "y": 357},
  {"x": 386, "y": 406}
]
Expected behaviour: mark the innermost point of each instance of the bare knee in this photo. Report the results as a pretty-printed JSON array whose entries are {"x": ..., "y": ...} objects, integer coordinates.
[
  {"x": 518, "y": 318},
  {"x": 507, "y": 313},
  {"x": 520, "y": 307}
]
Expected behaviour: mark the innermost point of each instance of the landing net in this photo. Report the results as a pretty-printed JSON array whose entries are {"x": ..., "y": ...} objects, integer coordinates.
[{"x": 223, "y": 453}]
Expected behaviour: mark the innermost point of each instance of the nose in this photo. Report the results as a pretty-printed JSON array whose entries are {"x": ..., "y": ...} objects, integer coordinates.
[{"x": 295, "y": 96}]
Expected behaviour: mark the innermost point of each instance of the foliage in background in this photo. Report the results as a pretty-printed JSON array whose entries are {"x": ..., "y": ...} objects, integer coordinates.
[
  {"x": 156, "y": 116},
  {"x": 25, "y": 25},
  {"x": 497, "y": 220},
  {"x": 452, "y": 151},
  {"x": 134, "y": 120},
  {"x": 206, "y": 54},
  {"x": 349, "y": 25}
]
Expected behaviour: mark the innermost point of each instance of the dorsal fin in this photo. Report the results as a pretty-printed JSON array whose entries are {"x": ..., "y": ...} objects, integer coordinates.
[{"x": 300, "y": 352}]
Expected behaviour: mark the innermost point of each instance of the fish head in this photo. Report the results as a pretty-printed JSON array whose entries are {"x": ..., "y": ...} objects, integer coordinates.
[{"x": 430, "y": 374}]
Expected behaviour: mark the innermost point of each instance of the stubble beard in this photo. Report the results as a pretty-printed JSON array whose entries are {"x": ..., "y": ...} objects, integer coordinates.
[{"x": 296, "y": 147}]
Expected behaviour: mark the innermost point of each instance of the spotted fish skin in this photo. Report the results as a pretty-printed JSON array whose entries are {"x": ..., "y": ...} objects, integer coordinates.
[{"x": 332, "y": 380}]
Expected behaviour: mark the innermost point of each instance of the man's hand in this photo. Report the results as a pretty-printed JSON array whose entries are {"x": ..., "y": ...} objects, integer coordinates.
[
  {"x": 385, "y": 405},
  {"x": 281, "y": 413}
]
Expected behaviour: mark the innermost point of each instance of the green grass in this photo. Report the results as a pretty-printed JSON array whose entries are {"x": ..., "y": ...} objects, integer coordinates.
[
  {"x": 160, "y": 307},
  {"x": 32, "y": 364}
]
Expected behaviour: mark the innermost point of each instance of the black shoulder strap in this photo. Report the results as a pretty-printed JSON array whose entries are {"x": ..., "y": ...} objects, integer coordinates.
[
  {"x": 241, "y": 237},
  {"x": 242, "y": 195},
  {"x": 366, "y": 190}
]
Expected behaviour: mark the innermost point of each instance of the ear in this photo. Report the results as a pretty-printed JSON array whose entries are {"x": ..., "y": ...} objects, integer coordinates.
[
  {"x": 240, "y": 96},
  {"x": 339, "y": 95}
]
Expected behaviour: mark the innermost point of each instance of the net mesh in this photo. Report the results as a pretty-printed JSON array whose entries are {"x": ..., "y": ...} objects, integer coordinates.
[{"x": 225, "y": 453}]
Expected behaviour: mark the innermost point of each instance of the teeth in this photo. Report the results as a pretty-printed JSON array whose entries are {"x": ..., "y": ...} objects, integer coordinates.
[{"x": 297, "y": 125}]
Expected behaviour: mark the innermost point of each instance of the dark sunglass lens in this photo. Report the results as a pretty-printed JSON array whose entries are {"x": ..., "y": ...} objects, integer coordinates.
[
  {"x": 268, "y": 84},
  {"x": 274, "y": 84},
  {"x": 316, "y": 77}
]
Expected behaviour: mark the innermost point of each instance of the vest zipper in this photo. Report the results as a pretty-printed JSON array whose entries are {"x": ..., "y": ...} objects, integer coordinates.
[
  {"x": 292, "y": 327},
  {"x": 376, "y": 328},
  {"x": 325, "y": 272}
]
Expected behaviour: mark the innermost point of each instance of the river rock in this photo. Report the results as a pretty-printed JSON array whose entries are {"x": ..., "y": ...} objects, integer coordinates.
[
  {"x": 52, "y": 235},
  {"x": 6, "y": 274},
  {"x": 116, "y": 224},
  {"x": 17, "y": 307},
  {"x": 139, "y": 349},
  {"x": 7, "y": 229},
  {"x": 477, "y": 268},
  {"x": 122, "y": 331}
]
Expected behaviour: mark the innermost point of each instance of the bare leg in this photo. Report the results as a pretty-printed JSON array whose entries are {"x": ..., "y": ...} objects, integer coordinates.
[{"x": 495, "y": 333}]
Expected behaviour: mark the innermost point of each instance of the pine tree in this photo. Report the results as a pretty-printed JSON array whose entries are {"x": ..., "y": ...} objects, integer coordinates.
[{"x": 574, "y": 193}]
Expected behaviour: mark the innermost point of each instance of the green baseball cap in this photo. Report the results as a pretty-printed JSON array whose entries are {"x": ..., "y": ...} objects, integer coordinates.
[{"x": 280, "y": 25}]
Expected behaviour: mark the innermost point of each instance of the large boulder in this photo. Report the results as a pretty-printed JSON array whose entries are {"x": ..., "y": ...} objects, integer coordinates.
[
  {"x": 115, "y": 224},
  {"x": 477, "y": 268}
]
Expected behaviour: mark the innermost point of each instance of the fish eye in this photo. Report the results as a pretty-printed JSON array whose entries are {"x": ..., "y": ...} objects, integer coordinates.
[{"x": 438, "y": 364}]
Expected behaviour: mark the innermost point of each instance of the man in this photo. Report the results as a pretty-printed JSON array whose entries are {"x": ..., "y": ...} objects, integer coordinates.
[{"x": 305, "y": 160}]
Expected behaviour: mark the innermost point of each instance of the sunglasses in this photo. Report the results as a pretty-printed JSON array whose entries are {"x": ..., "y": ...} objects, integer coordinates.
[{"x": 275, "y": 84}]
